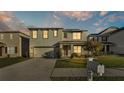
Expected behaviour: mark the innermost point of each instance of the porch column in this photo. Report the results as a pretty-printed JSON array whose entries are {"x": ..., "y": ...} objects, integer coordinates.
[
  {"x": 71, "y": 48},
  {"x": 61, "y": 50},
  {"x": 105, "y": 49}
]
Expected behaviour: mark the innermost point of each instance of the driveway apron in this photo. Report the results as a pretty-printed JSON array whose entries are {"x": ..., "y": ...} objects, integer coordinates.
[{"x": 36, "y": 69}]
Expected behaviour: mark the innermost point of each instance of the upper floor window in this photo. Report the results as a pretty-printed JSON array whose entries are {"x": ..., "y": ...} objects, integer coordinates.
[
  {"x": 11, "y": 36},
  {"x": 65, "y": 34},
  {"x": 45, "y": 34},
  {"x": 76, "y": 35},
  {"x": 104, "y": 38},
  {"x": 1, "y": 36},
  {"x": 34, "y": 34},
  {"x": 55, "y": 33}
]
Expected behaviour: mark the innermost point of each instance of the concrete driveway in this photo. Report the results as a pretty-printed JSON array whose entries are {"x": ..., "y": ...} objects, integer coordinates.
[{"x": 36, "y": 69}]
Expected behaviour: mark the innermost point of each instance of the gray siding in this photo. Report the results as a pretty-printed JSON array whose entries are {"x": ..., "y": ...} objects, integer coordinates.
[
  {"x": 11, "y": 42},
  {"x": 40, "y": 41},
  {"x": 117, "y": 40}
]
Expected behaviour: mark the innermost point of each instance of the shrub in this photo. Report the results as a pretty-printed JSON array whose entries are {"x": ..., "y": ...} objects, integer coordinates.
[{"x": 74, "y": 55}]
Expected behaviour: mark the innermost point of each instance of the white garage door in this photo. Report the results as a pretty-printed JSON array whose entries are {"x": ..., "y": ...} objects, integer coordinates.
[{"x": 40, "y": 52}]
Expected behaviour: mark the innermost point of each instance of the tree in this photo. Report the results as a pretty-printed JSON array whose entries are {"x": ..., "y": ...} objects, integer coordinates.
[{"x": 94, "y": 47}]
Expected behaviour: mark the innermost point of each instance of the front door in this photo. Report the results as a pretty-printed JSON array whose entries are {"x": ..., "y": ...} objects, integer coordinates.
[
  {"x": 65, "y": 48},
  {"x": 0, "y": 51}
]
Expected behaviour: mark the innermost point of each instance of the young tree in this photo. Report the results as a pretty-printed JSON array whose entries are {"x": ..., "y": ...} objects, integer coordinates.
[{"x": 94, "y": 47}]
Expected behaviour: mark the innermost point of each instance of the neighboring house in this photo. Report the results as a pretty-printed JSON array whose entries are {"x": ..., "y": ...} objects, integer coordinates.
[
  {"x": 14, "y": 44},
  {"x": 112, "y": 40},
  {"x": 55, "y": 42}
]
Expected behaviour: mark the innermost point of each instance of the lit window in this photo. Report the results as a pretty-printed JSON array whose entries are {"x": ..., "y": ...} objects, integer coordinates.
[
  {"x": 10, "y": 50},
  {"x": 76, "y": 35},
  {"x": 1, "y": 36},
  {"x": 55, "y": 33},
  {"x": 45, "y": 34},
  {"x": 34, "y": 34},
  {"x": 11, "y": 36},
  {"x": 77, "y": 49}
]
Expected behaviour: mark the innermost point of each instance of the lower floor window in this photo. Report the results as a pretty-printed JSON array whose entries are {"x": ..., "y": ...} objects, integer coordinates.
[
  {"x": 77, "y": 49},
  {"x": 11, "y": 50}
]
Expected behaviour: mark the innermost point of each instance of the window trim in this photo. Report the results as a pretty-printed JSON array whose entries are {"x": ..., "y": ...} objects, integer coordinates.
[
  {"x": 1, "y": 36},
  {"x": 11, "y": 50},
  {"x": 36, "y": 34},
  {"x": 66, "y": 35},
  {"x": 11, "y": 36},
  {"x": 76, "y": 36},
  {"x": 43, "y": 34},
  {"x": 54, "y": 33},
  {"x": 77, "y": 49}
]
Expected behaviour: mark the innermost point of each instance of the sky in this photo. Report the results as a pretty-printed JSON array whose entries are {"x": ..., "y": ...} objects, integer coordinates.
[{"x": 93, "y": 21}]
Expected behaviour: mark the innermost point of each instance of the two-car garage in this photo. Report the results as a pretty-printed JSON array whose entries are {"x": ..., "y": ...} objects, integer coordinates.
[{"x": 47, "y": 52}]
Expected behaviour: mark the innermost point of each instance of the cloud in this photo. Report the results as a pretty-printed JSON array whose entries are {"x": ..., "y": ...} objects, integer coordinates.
[
  {"x": 78, "y": 15},
  {"x": 109, "y": 19},
  {"x": 5, "y": 16},
  {"x": 52, "y": 20},
  {"x": 103, "y": 13},
  {"x": 9, "y": 22},
  {"x": 99, "y": 29}
]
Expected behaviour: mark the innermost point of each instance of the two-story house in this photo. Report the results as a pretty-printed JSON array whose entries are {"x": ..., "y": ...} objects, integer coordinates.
[
  {"x": 14, "y": 44},
  {"x": 73, "y": 41},
  {"x": 112, "y": 40},
  {"x": 54, "y": 42},
  {"x": 43, "y": 41}
]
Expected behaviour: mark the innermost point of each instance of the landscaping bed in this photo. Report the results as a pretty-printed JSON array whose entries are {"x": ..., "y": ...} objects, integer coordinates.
[
  {"x": 9, "y": 61},
  {"x": 70, "y": 63}
]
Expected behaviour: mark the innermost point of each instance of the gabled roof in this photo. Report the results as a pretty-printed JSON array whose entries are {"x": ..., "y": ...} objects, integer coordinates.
[
  {"x": 121, "y": 29},
  {"x": 103, "y": 33},
  {"x": 108, "y": 30}
]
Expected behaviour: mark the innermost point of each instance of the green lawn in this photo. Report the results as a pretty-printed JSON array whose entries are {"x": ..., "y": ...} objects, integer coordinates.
[
  {"x": 111, "y": 61},
  {"x": 9, "y": 61},
  {"x": 70, "y": 63}
]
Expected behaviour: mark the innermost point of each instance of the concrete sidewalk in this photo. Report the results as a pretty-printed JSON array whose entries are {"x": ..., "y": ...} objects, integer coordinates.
[
  {"x": 69, "y": 72},
  {"x": 82, "y": 72}
]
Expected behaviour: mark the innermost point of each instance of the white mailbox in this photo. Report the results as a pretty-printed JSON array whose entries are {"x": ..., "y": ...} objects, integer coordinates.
[{"x": 100, "y": 69}]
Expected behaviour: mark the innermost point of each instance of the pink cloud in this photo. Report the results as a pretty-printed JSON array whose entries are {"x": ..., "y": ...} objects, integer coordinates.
[
  {"x": 108, "y": 19},
  {"x": 78, "y": 15},
  {"x": 114, "y": 18},
  {"x": 103, "y": 13},
  {"x": 99, "y": 29},
  {"x": 9, "y": 22},
  {"x": 5, "y": 16}
]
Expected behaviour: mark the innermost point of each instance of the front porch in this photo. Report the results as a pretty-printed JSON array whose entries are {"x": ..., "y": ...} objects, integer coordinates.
[
  {"x": 69, "y": 47},
  {"x": 106, "y": 47}
]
